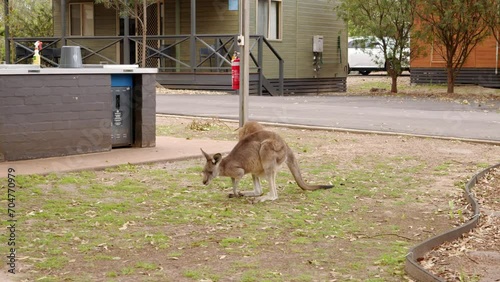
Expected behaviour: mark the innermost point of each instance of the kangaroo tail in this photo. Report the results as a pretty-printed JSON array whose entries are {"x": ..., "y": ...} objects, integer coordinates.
[{"x": 293, "y": 165}]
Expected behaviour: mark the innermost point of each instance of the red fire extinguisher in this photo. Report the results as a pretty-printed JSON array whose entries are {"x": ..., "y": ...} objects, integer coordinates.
[{"x": 235, "y": 71}]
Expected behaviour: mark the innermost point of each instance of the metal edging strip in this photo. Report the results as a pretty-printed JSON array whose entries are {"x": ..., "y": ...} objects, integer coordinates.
[{"x": 413, "y": 267}]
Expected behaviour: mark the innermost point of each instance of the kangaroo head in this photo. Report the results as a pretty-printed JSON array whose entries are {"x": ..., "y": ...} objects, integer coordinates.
[{"x": 211, "y": 169}]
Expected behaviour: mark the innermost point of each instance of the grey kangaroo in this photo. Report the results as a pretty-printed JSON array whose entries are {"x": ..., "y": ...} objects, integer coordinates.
[{"x": 260, "y": 153}]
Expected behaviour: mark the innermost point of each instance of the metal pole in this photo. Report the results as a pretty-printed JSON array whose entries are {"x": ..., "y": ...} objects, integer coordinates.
[
  {"x": 177, "y": 32},
  {"x": 245, "y": 59},
  {"x": 260, "y": 60},
  {"x": 193, "y": 36},
  {"x": 7, "y": 43}
]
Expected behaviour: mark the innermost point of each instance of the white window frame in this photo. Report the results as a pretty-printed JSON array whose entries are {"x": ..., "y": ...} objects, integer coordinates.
[
  {"x": 269, "y": 31},
  {"x": 86, "y": 19}
]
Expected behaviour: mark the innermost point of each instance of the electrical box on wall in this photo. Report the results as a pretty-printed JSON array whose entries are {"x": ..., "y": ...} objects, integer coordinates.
[{"x": 318, "y": 43}]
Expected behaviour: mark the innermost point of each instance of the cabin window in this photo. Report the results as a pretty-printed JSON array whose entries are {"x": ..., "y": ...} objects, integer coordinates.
[
  {"x": 269, "y": 18},
  {"x": 81, "y": 17}
]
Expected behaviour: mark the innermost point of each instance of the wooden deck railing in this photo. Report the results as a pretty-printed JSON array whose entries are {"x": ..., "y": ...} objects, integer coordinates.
[{"x": 169, "y": 53}]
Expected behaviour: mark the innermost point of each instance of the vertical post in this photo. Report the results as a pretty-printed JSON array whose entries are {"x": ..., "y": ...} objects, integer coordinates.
[
  {"x": 260, "y": 60},
  {"x": 126, "y": 39},
  {"x": 281, "y": 79},
  {"x": 63, "y": 22},
  {"x": 193, "y": 36},
  {"x": 245, "y": 59},
  {"x": 177, "y": 32},
  {"x": 7, "y": 43}
]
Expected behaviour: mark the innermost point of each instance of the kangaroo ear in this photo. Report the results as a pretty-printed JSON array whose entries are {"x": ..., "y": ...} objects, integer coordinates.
[
  {"x": 217, "y": 158},
  {"x": 207, "y": 156}
]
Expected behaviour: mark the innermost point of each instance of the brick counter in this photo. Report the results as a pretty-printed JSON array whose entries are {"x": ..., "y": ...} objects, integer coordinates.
[{"x": 57, "y": 112}]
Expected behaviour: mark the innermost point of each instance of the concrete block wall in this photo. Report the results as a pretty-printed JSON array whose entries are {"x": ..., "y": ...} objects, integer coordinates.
[
  {"x": 66, "y": 114},
  {"x": 144, "y": 101}
]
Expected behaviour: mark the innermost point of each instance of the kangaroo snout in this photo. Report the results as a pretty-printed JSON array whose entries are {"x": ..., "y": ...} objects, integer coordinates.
[{"x": 206, "y": 179}]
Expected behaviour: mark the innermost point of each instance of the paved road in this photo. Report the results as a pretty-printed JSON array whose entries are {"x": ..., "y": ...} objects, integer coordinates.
[{"x": 386, "y": 114}]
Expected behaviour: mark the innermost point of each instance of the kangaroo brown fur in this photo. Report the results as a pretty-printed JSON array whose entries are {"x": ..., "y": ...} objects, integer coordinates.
[
  {"x": 249, "y": 128},
  {"x": 261, "y": 153}
]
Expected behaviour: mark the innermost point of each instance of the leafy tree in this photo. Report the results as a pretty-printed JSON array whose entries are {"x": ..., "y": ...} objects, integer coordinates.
[
  {"x": 2, "y": 30},
  {"x": 27, "y": 18},
  {"x": 30, "y": 18},
  {"x": 354, "y": 31},
  {"x": 453, "y": 28},
  {"x": 129, "y": 8},
  {"x": 492, "y": 19},
  {"x": 390, "y": 21}
]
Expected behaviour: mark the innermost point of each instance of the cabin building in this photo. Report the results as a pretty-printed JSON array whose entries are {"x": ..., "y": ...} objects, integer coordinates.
[
  {"x": 191, "y": 42},
  {"x": 480, "y": 68}
]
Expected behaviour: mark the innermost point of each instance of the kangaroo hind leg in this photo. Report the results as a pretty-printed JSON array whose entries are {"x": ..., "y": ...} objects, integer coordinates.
[
  {"x": 273, "y": 193},
  {"x": 257, "y": 189},
  {"x": 272, "y": 154}
]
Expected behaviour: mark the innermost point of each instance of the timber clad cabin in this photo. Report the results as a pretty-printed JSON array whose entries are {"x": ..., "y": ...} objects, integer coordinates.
[
  {"x": 191, "y": 42},
  {"x": 480, "y": 68}
]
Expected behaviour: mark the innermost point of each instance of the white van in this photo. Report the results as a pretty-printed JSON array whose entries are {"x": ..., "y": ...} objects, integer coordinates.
[{"x": 365, "y": 54}]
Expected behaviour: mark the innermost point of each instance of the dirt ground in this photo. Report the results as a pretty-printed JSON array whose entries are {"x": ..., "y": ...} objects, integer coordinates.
[
  {"x": 449, "y": 165},
  {"x": 477, "y": 254},
  {"x": 162, "y": 224}
]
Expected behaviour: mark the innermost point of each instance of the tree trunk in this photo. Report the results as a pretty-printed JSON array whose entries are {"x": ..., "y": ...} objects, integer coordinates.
[
  {"x": 393, "y": 73},
  {"x": 394, "y": 85},
  {"x": 451, "y": 80}
]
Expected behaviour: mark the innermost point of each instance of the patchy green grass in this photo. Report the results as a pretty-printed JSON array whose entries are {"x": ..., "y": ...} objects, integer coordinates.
[
  {"x": 158, "y": 223},
  {"x": 465, "y": 94},
  {"x": 384, "y": 82},
  {"x": 199, "y": 128},
  {"x": 443, "y": 168},
  {"x": 368, "y": 85},
  {"x": 84, "y": 220}
]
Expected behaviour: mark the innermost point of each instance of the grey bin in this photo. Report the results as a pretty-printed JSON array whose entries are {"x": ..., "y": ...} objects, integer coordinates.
[{"x": 71, "y": 57}]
